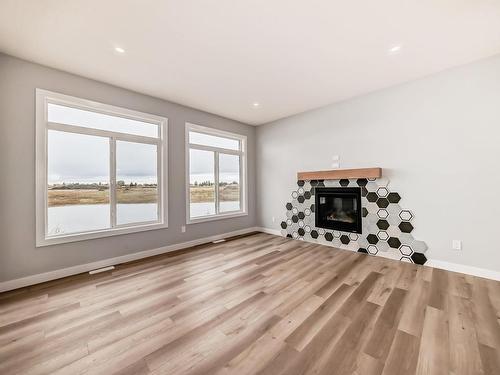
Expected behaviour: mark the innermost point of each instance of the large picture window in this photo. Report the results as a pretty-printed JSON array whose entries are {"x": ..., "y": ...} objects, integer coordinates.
[
  {"x": 216, "y": 174},
  {"x": 101, "y": 170}
]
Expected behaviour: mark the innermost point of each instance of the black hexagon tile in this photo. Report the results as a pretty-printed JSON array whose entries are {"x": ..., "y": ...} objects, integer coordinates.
[
  {"x": 405, "y": 227},
  {"x": 364, "y": 212},
  {"x": 394, "y": 242},
  {"x": 393, "y": 198},
  {"x": 418, "y": 258},
  {"x": 382, "y": 224},
  {"x": 372, "y": 239},
  {"x": 361, "y": 181},
  {"x": 382, "y": 202},
  {"x": 345, "y": 239}
]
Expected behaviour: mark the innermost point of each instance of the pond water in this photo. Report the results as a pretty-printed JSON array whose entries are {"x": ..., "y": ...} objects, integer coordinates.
[{"x": 88, "y": 217}]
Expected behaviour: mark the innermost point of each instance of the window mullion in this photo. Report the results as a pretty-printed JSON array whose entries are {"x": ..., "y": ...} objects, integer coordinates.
[
  {"x": 242, "y": 183},
  {"x": 216, "y": 179},
  {"x": 112, "y": 184},
  {"x": 159, "y": 184}
]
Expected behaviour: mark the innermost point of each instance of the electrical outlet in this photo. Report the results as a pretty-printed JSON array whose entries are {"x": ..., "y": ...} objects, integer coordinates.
[
  {"x": 183, "y": 228},
  {"x": 456, "y": 245},
  {"x": 273, "y": 219}
]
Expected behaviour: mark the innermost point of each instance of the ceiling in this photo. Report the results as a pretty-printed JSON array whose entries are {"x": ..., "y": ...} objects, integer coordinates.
[{"x": 222, "y": 56}]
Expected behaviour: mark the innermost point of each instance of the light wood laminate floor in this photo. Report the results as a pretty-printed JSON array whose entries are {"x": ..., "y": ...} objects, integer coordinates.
[{"x": 259, "y": 304}]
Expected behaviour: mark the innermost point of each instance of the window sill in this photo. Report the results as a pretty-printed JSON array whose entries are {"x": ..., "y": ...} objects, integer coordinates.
[
  {"x": 54, "y": 240},
  {"x": 216, "y": 217}
]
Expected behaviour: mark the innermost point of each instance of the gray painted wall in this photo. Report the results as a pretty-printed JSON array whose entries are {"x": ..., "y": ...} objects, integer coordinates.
[
  {"x": 18, "y": 255},
  {"x": 438, "y": 140}
]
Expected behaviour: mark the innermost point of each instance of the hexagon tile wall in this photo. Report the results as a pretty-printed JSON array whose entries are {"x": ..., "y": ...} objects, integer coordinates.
[{"x": 386, "y": 226}]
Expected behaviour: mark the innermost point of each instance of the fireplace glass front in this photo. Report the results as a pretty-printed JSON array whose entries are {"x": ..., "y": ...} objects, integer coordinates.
[{"x": 338, "y": 209}]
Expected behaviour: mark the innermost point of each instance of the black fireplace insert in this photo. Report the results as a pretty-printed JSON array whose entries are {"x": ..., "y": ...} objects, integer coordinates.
[{"x": 338, "y": 208}]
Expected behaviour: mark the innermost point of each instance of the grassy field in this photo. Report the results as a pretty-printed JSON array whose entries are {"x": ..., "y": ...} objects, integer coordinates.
[
  {"x": 138, "y": 194},
  {"x": 94, "y": 196},
  {"x": 228, "y": 193}
]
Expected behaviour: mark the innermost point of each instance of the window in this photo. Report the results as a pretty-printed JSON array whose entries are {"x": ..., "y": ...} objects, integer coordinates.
[
  {"x": 216, "y": 174},
  {"x": 101, "y": 170}
]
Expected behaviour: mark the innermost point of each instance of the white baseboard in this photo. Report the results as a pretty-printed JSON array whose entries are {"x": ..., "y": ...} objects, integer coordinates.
[
  {"x": 276, "y": 232},
  {"x": 57, "y": 274},
  {"x": 469, "y": 270},
  {"x": 454, "y": 267}
]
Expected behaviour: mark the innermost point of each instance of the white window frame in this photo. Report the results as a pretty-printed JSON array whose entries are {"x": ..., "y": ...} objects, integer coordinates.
[
  {"x": 43, "y": 98},
  {"x": 242, "y": 152}
]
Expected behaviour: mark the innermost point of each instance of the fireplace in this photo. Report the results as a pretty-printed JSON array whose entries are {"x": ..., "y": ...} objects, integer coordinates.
[{"x": 338, "y": 208}]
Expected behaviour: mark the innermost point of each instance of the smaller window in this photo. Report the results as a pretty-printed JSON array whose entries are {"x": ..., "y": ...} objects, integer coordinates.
[{"x": 216, "y": 174}]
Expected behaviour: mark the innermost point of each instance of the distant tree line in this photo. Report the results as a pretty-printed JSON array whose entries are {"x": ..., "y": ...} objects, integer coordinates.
[
  {"x": 94, "y": 185},
  {"x": 209, "y": 183}
]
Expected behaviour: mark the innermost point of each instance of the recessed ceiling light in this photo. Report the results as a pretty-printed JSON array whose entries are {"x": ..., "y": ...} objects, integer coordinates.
[
  {"x": 395, "y": 49},
  {"x": 255, "y": 104},
  {"x": 119, "y": 50}
]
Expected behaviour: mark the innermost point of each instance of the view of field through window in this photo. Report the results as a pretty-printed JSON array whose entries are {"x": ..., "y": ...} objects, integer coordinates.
[
  {"x": 78, "y": 191},
  {"x": 202, "y": 187}
]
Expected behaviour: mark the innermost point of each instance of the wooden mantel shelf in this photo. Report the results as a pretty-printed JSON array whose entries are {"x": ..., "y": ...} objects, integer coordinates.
[{"x": 338, "y": 174}]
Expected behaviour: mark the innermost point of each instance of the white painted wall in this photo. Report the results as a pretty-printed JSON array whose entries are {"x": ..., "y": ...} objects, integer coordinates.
[{"x": 438, "y": 141}]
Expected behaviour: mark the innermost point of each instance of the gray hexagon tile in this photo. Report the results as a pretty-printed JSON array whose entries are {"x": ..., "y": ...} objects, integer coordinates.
[
  {"x": 393, "y": 219},
  {"x": 406, "y": 238},
  {"x": 383, "y": 246},
  {"x": 393, "y": 209},
  {"x": 372, "y": 187},
  {"x": 393, "y": 231},
  {"x": 419, "y": 246}
]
